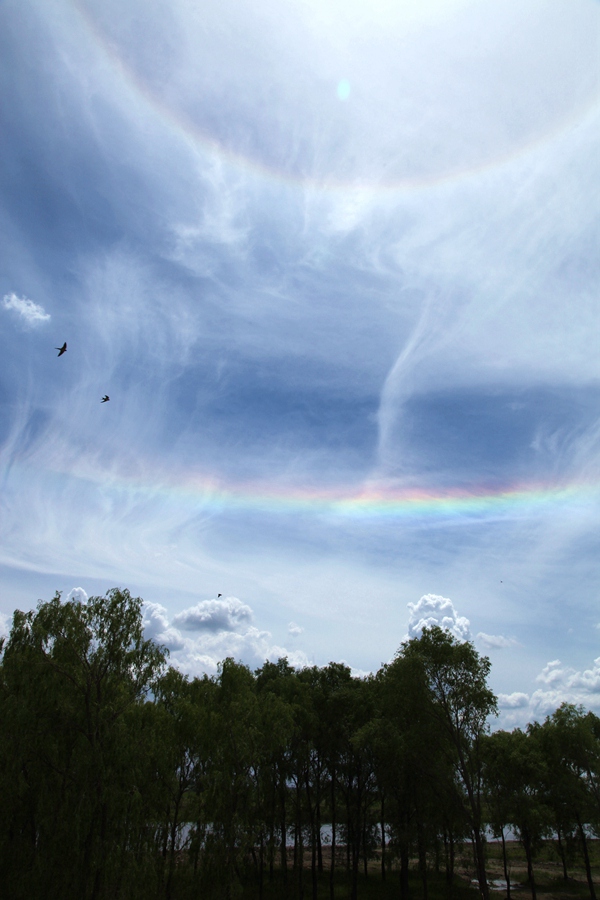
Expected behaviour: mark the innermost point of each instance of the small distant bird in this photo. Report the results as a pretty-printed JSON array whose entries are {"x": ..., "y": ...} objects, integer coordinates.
[
  {"x": 219, "y": 595},
  {"x": 105, "y": 398},
  {"x": 62, "y": 349}
]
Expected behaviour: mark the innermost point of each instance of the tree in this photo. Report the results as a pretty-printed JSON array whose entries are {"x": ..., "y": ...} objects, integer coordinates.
[
  {"x": 513, "y": 770},
  {"x": 72, "y": 676},
  {"x": 461, "y": 702},
  {"x": 416, "y": 765},
  {"x": 570, "y": 742}
]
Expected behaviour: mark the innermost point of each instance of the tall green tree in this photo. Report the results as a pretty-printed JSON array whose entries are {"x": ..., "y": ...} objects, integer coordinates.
[
  {"x": 462, "y": 703},
  {"x": 416, "y": 767},
  {"x": 569, "y": 740},
  {"x": 72, "y": 676}
]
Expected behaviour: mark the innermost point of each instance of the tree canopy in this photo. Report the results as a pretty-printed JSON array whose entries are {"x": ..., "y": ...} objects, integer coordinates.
[{"x": 122, "y": 777}]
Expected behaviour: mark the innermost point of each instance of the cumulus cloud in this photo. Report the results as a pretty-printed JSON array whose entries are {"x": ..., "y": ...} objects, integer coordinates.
[
  {"x": 157, "y": 627},
  {"x": 78, "y": 594},
  {"x": 229, "y": 614},
  {"x": 432, "y": 609},
  {"x": 494, "y": 641},
  {"x": 516, "y": 700},
  {"x": 558, "y": 684},
  {"x": 294, "y": 629},
  {"x": 563, "y": 684},
  {"x": 32, "y": 313},
  {"x": 4, "y": 626},
  {"x": 224, "y": 631}
]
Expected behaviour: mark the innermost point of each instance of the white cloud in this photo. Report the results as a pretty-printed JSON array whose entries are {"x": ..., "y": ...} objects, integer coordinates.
[
  {"x": 229, "y": 614},
  {"x": 156, "y": 627},
  {"x": 552, "y": 673},
  {"x": 31, "y": 312},
  {"x": 491, "y": 641},
  {"x": 559, "y": 684},
  {"x": 563, "y": 684},
  {"x": 4, "y": 625},
  {"x": 225, "y": 631},
  {"x": 78, "y": 594},
  {"x": 516, "y": 700},
  {"x": 294, "y": 629},
  {"x": 432, "y": 609}
]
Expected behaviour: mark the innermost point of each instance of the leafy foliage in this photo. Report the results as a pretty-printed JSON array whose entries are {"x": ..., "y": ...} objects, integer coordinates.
[{"x": 123, "y": 778}]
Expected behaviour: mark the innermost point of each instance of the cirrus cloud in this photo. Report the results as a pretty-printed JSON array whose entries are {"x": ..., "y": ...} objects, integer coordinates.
[
  {"x": 494, "y": 641},
  {"x": 30, "y": 312}
]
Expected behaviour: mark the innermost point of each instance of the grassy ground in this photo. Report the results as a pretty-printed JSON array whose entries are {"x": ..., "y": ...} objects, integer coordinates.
[{"x": 547, "y": 870}]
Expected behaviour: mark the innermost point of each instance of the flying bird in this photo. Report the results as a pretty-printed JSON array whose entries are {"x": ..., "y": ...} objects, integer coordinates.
[
  {"x": 62, "y": 349},
  {"x": 219, "y": 595},
  {"x": 105, "y": 398}
]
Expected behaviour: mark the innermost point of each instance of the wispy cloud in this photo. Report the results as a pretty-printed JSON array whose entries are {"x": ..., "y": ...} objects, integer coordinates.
[
  {"x": 283, "y": 293},
  {"x": 494, "y": 641},
  {"x": 29, "y": 312}
]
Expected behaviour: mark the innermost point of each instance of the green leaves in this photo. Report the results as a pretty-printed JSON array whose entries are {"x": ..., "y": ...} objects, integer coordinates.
[
  {"x": 73, "y": 677},
  {"x": 121, "y": 776}
]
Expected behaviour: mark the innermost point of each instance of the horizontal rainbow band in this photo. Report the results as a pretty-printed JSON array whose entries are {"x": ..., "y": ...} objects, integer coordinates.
[
  {"x": 392, "y": 503},
  {"x": 199, "y": 493}
]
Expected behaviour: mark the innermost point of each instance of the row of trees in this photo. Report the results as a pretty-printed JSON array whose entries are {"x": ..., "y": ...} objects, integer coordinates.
[{"x": 121, "y": 777}]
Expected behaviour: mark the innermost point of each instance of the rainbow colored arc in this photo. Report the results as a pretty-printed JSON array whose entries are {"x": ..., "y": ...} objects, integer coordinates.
[{"x": 181, "y": 123}]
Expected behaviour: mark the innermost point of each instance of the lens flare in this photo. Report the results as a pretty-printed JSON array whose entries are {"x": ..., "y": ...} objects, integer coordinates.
[{"x": 343, "y": 89}]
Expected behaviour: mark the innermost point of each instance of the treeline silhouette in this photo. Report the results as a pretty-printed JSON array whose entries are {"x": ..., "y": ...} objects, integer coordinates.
[{"x": 122, "y": 778}]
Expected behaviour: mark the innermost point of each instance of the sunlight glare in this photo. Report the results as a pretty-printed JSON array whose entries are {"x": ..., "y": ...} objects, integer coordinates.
[{"x": 397, "y": 14}]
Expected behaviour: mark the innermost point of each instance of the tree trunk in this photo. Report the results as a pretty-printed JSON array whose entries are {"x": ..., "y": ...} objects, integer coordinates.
[
  {"x": 172, "y": 841},
  {"x": 586, "y": 857},
  {"x": 423, "y": 864},
  {"x": 505, "y": 864},
  {"x": 283, "y": 848},
  {"x": 526, "y": 841},
  {"x": 261, "y": 865},
  {"x": 333, "y": 825},
  {"x": 301, "y": 864},
  {"x": 382, "y": 837},
  {"x": 562, "y": 854},
  {"x": 319, "y": 843},
  {"x": 313, "y": 839},
  {"x": 480, "y": 863},
  {"x": 272, "y": 839},
  {"x": 355, "y": 862},
  {"x": 404, "y": 886}
]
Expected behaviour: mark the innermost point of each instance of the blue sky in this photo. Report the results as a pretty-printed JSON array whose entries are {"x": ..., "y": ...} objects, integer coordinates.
[{"x": 318, "y": 254}]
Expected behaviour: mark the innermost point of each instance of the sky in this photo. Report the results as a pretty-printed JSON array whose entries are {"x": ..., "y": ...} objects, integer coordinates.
[{"x": 336, "y": 266}]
